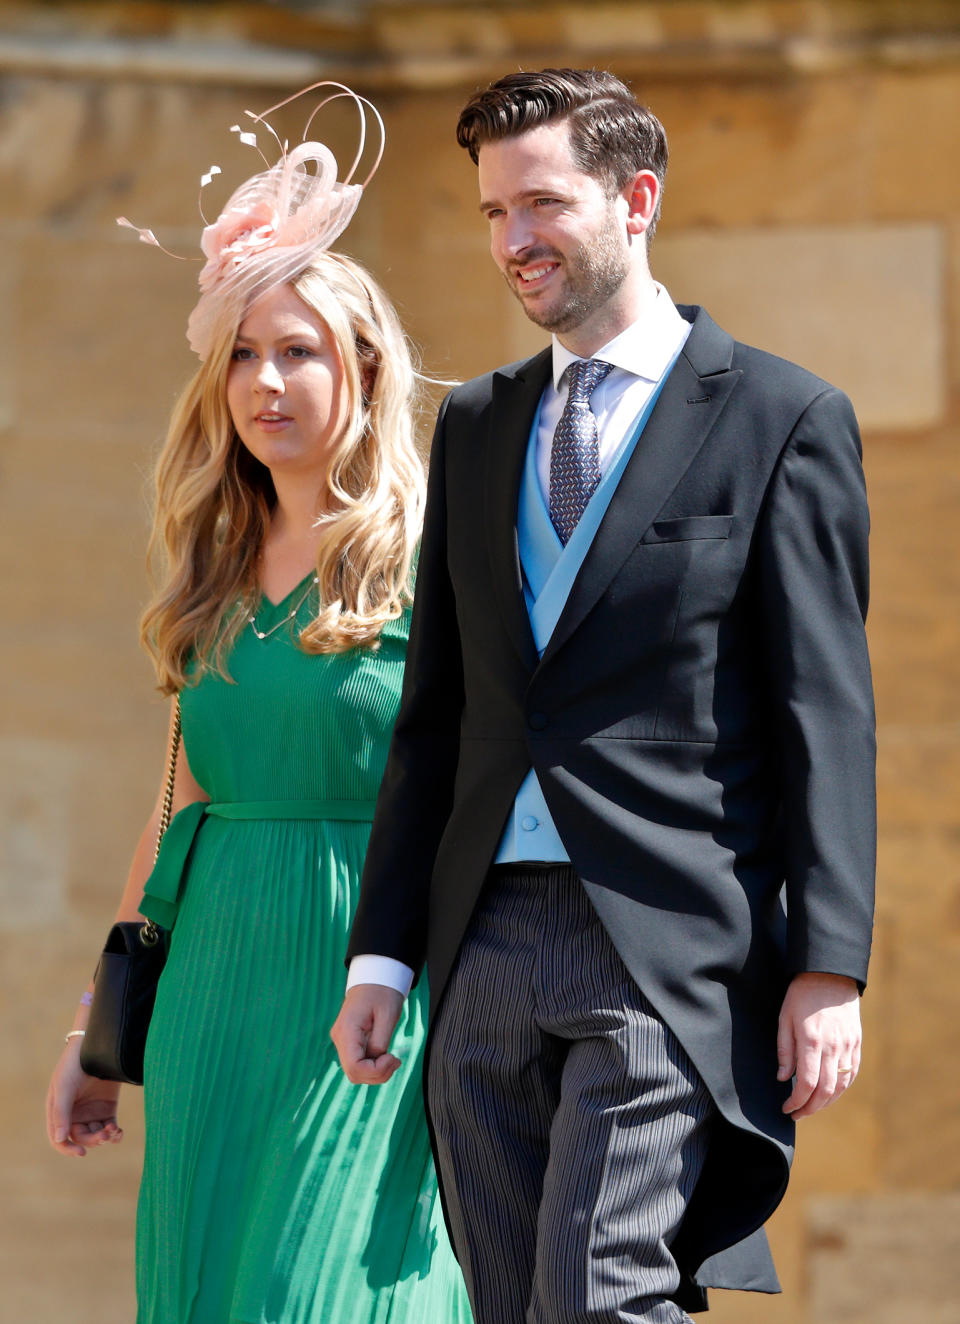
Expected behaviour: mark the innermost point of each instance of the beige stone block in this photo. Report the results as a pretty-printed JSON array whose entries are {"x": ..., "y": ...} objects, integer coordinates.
[
  {"x": 914, "y": 143},
  {"x": 914, "y": 628},
  {"x": 42, "y": 122},
  {"x": 916, "y": 1049},
  {"x": 94, "y": 686},
  {"x": 127, "y": 773},
  {"x": 92, "y": 502},
  {"x": 953, "y": 306},
  {"x": 67, "y": 1234},
  {"x": 434, "y": 245},
  {"x": 918, "y": 777},
  {"x": 66, "y": 1227},
  {"x": 764, "y": 151},
  {"x": 856, "y": 144},
  {"x": 469, "y": 333},
  {"x": 428, "y": 184},
  {"x": 36, "y": 779},
  {"x": 884, "y": 1260},
  {"x": 72, "y": 814},
  {"x": 80, "y": 152},
  {"x": 114, "y": 352},
  {"x": 842, "y": 301},
  {"x": 745, "y": 23},
  {"x": 73, "y": 530},
  {"x": 920, "y": 885},
  {"x": 589, "y": 28},
  {"x": 444, "y": 31},
  {"x": 8, "y": 337}
]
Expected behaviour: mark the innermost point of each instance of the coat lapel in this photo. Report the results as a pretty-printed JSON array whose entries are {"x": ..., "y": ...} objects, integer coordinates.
[
  {"x": 516, "y": 394},
  {"x": 692, "y": 399}
]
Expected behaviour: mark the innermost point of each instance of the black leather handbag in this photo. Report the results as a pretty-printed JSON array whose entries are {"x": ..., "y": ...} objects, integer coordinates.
[{"x": 125, "y": 982}]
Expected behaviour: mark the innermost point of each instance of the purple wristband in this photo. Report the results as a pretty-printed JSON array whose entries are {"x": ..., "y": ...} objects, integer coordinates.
[{"x": 86, "y": 999}]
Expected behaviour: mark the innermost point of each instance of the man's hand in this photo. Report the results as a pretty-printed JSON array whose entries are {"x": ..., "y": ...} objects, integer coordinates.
[
  {"x": 363, "y": 1030},
  {"x": 818, "y": 1040}
]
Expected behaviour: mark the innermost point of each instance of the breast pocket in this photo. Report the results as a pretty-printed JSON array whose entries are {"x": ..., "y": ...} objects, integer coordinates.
[
  {"x": 689, "y": 528},
  {"x": 670, "y": 553}
]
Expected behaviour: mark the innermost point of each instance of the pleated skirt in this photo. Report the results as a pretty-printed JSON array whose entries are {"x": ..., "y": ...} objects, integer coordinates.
[{"x": 273, "y": 1189}]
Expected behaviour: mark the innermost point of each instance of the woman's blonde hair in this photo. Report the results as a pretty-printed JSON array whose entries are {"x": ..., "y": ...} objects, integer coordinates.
[{"x": 213, "y": 499}]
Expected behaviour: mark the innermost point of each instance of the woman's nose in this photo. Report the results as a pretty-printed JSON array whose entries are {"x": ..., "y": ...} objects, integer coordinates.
[{"x": 269, "y": 378}]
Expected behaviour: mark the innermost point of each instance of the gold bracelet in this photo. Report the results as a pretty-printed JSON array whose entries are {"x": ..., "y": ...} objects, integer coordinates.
[{"x": 74, "y": 1034}]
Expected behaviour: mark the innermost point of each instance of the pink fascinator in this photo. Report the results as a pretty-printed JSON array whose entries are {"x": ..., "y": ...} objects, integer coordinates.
[{"x": 276, "y": 222}]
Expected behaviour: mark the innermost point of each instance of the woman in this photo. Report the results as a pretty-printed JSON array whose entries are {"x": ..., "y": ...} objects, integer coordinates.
[{"x": 288, "y": 505}]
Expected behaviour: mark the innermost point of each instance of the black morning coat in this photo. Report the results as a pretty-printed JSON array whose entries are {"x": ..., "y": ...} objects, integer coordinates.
[{"x": 701, "y": 724}]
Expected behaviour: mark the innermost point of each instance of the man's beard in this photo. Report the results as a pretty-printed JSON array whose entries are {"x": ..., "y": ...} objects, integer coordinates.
[{"x": 590, "y": 278}]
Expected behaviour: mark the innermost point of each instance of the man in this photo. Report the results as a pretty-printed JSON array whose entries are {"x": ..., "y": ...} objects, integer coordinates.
[{"x": 637, "y": 708}]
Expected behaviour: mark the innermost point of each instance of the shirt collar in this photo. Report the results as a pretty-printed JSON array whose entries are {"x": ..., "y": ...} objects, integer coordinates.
[{"x": 643, "y": 349}]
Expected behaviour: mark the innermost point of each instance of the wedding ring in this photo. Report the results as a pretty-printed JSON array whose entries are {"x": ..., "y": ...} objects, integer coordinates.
[{"x": 844, "y": 1071}]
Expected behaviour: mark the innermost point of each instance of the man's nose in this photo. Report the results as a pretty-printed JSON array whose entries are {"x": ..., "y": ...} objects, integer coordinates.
[{"x": 516, "y": 234}]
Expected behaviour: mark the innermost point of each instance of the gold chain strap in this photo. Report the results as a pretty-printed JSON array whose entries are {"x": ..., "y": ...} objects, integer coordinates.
[
  {"x": 171, "y": 778},
  {"x": 150, "y": 933}
]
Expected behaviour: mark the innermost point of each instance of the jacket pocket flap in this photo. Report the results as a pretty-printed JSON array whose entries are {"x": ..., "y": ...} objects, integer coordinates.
[{"x": 688, "y": 527}]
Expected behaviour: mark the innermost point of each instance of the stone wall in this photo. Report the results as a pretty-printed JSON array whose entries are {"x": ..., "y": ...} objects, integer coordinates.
[{"x": 813, "y": 204}]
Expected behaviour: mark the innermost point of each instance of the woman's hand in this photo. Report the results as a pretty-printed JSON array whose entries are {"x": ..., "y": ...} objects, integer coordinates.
[{"x": 81, "y": 1110}]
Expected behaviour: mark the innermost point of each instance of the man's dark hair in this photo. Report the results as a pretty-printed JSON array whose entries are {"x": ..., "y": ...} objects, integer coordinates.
[{"x": 612, "y": 136}]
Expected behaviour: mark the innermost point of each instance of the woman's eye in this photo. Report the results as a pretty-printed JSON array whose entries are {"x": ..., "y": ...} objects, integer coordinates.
[
  {"x": 299, "y": 352},
  {"x": 241, "y": 353}
]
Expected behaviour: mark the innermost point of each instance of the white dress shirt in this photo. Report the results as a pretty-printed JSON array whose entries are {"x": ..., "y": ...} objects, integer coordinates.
[{"x": 639, "y": 355}]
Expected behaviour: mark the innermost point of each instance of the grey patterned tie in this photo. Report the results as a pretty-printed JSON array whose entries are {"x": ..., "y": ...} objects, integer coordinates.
[{"x": 575, "y": 455}]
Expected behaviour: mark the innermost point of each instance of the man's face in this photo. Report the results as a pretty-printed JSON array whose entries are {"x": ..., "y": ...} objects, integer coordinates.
[{"x": 558, "y": 239}]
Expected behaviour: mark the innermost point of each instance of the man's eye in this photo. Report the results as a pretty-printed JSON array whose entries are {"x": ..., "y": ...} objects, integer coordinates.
[{"x": 545, "y": 202}]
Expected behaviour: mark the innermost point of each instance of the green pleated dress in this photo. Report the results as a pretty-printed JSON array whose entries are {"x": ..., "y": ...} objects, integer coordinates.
[{"x": 273, "y": 1189}]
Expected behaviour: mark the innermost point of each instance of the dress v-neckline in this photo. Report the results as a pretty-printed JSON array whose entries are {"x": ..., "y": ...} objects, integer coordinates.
[{"x": 268, "y": 602}]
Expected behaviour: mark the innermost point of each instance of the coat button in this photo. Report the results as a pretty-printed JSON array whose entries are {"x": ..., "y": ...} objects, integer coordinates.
[
  {"x": 529, "y": 823},
  {"x": 538, "y": 721}
]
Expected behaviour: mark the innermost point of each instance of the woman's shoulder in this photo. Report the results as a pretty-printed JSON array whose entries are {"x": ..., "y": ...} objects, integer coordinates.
[{"x": 398, "y": 627}]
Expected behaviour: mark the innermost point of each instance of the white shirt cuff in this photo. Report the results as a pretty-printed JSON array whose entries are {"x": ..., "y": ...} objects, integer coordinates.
[{"x": 380, "y": 970}]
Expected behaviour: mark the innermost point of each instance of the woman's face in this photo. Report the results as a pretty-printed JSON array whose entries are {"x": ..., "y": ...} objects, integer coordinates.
[{"x": 285, "y": 386}]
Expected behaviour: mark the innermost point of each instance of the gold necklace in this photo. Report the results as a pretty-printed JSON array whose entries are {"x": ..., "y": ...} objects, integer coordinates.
[{"x": 265, "y": 634}]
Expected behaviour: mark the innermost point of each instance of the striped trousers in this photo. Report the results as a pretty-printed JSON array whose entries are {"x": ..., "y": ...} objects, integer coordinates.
[{"x": 570, "y": 1124}]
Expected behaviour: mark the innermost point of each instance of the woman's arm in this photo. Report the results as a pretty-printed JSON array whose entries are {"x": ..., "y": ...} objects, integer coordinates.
[{"x": 81, "y": 1109}]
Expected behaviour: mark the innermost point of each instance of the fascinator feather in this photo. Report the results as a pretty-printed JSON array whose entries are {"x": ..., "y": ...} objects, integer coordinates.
[{"x": 275, "y": 222}]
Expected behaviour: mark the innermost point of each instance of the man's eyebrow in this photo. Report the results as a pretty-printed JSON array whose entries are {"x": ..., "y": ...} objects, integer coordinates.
[{"x": 542, "y": 191}]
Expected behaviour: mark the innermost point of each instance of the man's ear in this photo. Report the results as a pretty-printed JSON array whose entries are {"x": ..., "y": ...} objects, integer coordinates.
[{"x": 642, "y": 194}]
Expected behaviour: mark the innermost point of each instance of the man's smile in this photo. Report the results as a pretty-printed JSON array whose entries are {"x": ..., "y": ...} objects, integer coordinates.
[{"x": 535, "y": 273}]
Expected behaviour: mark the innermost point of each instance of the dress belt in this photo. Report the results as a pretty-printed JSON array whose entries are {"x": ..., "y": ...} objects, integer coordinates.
[
  {"x": 351, "y": 811},
  {"x": 164, "y": 887}
]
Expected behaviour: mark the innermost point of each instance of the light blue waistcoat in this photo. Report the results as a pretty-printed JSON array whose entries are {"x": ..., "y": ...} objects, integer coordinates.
[{"x": 549, "y": 570}]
